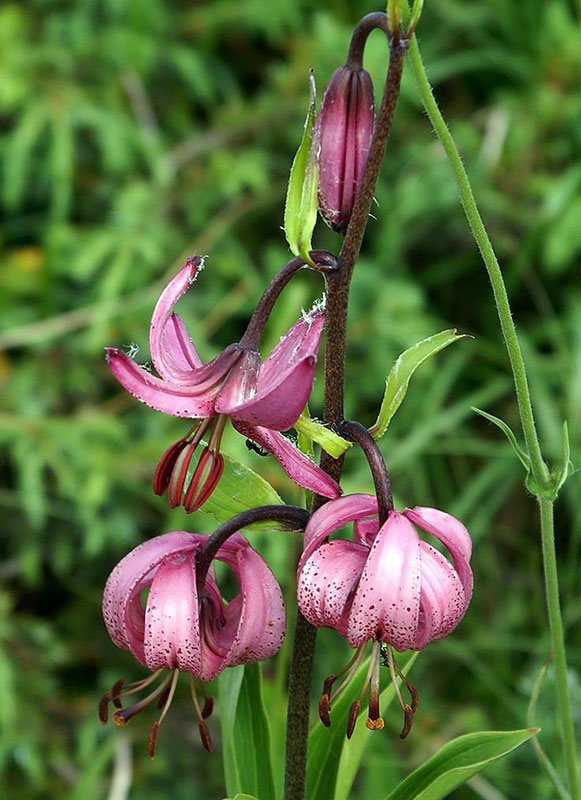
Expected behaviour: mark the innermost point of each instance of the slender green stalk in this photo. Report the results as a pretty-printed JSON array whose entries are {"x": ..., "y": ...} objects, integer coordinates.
[{"x": 539, "y": 470}]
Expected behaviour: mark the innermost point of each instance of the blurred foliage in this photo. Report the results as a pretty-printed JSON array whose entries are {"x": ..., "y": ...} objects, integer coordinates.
[{"x": 136, "y": 133}]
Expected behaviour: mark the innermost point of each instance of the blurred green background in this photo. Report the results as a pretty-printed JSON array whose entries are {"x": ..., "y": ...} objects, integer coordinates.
[{"x": 137, "y": 132}]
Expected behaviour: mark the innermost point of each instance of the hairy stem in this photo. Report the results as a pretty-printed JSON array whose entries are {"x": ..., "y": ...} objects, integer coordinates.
[
  {"x": 293, "y": 516},
  {"x": 540, "y": 472},
  {"x": 356, "y": 432},
  {"x": 338, "y": 284},
  {"x": 323, "y": 262}
]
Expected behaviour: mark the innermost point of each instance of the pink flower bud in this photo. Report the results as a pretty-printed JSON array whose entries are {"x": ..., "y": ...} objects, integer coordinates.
[{"x": 345, "y": 128}]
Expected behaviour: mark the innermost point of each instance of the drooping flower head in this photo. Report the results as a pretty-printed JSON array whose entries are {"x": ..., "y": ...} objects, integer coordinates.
[
  {"x": 387, "y": 585},
  {"x": 261, "y": 398},
  {"x": 181, "y": 629}
]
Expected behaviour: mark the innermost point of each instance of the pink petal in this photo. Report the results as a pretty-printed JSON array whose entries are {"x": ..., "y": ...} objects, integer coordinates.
[
  {"x": 387, "y": 600},
  {"x": 172, "y": 351},
  {"x": 333, "y": 516},
  {"x": 122, "y": 610},
  {"x": 297, "y": 466},
  {"x": 172, "y": 624},
  {"x": 327, "y": 580},
  {"x": 452, "y": 534},
  {"x": 255, "y": 618},
  {"x": 442, "y": 601},
  {"x": 365, "y": 530},
  {"x": 195, "y": 400},
  {"x": 285, "y": 380}
]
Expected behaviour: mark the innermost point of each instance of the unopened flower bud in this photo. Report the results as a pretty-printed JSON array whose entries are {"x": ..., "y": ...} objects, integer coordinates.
[{"x": 345, "y": 126}]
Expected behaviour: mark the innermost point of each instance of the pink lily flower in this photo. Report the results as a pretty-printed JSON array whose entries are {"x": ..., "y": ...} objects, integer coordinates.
[
  {"x": 261, "y": 399},
  {"x": 181, "y": 630},
  {"x": 387, "y": 586}
]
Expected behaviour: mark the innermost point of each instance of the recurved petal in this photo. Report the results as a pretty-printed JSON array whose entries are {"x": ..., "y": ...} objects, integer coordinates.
[
  {"x": 452, "y": 533},
  {"x": 122, "y": 609},
  {"x": 327, "y": 580},
  {"x": 172, "y": 624},
  {"x": 254, "y": 620},
  {"x": 285, "y": 379},
  {"x": 297, "y": 466},
  {"x": 195, "y": 400},
  {"x": 387, "y": 600},
  {"x": 172, "y": 351},
  {"x": 442, "y": 599},
  {"x": 333, "y": 516}
]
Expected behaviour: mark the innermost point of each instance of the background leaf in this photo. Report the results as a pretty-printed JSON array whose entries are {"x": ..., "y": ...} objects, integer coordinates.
[
  {"x": 456, "y": 762},
  {"x": 245, "y": 733},
  {"x": 397, "y": 382}
]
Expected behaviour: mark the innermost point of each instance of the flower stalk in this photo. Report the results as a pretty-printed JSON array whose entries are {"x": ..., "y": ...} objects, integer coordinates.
[
  {"x": 539, "y": 470},
  {"x": 338, "y": 285}
]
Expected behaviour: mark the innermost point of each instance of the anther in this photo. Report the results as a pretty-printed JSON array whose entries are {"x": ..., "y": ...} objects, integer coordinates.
[
  {"x": 208, "y": 707},
  {"x": 205, "y": 735},
  {"x": 352, "y": 719},
  {"x": 325, "y": 710},
  {"x": 152, "y": 740},
  {"x": 408, "y": 721}
]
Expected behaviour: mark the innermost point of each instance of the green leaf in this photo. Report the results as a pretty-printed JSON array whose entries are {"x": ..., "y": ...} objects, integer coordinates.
[
  {"x": 326, "y": 745},
  {"x": 242, "y": 797},
  {"x": 331, "y": 442},
  {"x": 397, "y": 382},
  {"x": 522, "y": 455},
  {"x": 245, "y": 733},
  {"x": 300, "y": 211},
  {"x": 457, "y": 762},
  {"x": 239, "y": 489},
  {"x": 565, "y": 466}
]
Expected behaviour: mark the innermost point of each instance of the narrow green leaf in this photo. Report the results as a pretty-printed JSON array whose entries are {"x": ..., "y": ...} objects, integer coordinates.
[
  {"x": 326, "y": 745},
  {"x": 457, "y": 762},
  {"x": 522, "y": 455},
  {"x": 300, "y": 211},
  {"x": 242, "y": 797},
  {"x": 397, "y": 382},
  {"x": 331, "y": 442},
  {"x": 239, "y": 489},
  {"x": 245, "y": 733},
  {"x": 565, "y": 466}
]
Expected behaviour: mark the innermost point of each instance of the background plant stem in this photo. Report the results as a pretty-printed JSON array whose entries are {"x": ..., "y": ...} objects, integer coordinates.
[
  {"x": 539, "y": 470},
  {"x": 338, "y": 284}
]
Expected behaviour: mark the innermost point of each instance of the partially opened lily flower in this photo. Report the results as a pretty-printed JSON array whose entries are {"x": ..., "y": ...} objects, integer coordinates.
[
  {"x": 179, "y": 629},
  {"x": 387, "y": 586},
  {"x": 261, "y": 399}
]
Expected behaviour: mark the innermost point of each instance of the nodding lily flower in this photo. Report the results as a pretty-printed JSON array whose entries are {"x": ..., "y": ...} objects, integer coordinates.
[
  {"x": 261, "y": 399},
  {"x": 179, "y": 629},
  {"x": 387, "y": 586}
]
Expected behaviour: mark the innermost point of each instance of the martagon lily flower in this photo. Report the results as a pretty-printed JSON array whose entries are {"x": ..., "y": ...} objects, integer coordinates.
[
  {"x": 261, "y": 399},
  {"x": 387, "y": 586},
  {"x": 179, "y": 629}
]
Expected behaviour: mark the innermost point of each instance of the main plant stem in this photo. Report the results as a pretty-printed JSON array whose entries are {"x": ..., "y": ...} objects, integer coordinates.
[
  {"x": 338, "y": 284},
  {"x": 539, "y": 470}
]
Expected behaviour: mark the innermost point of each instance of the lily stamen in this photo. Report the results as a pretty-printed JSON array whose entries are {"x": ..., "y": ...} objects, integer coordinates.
[
  {"x": 408, "y": 710},
  {"x": 203, "y": 728},
  {"x": 374, "y": 721},
  {"x": 169, "y": 695},
  {"x": 327, "y": 698},
  {"x": 123, "y": 716}
]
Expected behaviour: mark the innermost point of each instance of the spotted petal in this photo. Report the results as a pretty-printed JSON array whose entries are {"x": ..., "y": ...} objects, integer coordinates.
[
  {"x": 333, "y": 516},
  {"x": 326, "y": 582},
  {"x": 452, "y": 533},
  {"x": 387, "y": 600},
  {"x": 172, "y": 624},
  {"x": 122, "y": 610}
]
